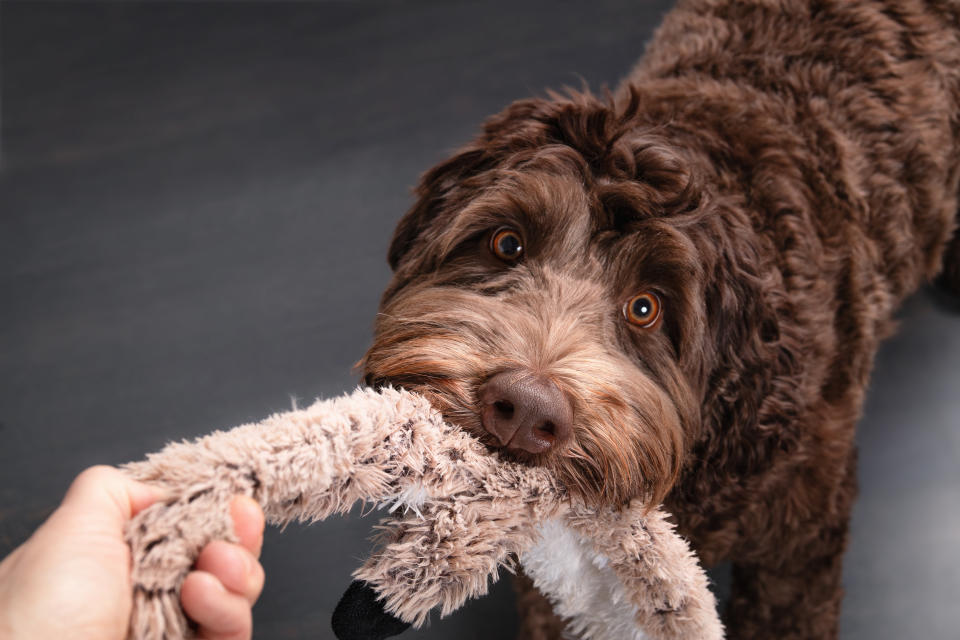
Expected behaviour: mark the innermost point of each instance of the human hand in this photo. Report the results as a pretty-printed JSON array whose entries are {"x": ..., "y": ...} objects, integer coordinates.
[{"x": 71, "y": 578}]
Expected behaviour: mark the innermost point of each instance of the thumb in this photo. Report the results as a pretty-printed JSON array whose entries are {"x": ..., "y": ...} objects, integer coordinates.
[{"x": 107, "y": 493}]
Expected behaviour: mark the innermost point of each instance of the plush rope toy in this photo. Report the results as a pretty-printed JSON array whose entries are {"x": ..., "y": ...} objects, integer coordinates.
[{"x": 458, "y": 514}]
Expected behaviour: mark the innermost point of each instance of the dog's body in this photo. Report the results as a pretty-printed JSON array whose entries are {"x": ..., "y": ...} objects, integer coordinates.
[{"x": 778, "y": 175}]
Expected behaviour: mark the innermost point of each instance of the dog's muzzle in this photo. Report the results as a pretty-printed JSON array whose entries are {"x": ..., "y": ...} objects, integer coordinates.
[{"x": 525, "y": 412}]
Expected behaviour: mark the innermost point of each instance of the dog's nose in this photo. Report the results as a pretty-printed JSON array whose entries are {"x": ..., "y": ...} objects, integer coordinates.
[{"x": 524, "y": 411}]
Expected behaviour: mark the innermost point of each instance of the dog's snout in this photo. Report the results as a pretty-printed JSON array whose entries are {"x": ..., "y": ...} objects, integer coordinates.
[{"x": 525, "y": 412}]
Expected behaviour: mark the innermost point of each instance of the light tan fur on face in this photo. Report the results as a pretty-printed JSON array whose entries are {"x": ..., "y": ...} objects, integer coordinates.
[{"x": 445, "y": 341}]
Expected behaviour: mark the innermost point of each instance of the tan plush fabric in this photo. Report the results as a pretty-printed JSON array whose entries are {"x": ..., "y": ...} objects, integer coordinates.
[
  {"x": 459, "y": 513},
  {"x": 659, "y": 572}
]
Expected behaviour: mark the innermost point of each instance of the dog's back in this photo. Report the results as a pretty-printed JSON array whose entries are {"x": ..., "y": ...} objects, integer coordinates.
[
  {"x": 834, "y": 128},
  {"x": 843, "y": 114}
]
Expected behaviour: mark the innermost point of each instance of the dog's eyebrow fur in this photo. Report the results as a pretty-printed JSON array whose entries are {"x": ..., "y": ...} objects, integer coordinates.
[
  {"x": 554, "y": 208},
  {"x": 654, "y": 251}
]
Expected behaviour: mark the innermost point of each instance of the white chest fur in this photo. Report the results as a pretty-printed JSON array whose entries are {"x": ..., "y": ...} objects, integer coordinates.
[{"x": 582, "y": 586}]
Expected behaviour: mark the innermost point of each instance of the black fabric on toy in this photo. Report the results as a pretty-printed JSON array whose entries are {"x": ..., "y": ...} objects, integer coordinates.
[{"x": 360, "y": 616}]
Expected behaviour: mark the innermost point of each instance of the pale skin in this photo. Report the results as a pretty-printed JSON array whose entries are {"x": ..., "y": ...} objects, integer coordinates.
[{"x": 71, "y": 578}]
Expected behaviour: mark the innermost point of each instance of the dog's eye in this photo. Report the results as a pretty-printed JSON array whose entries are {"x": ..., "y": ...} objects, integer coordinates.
[
  {"x": 506, "y": 244},
  {"x": 643, "y": 310}
]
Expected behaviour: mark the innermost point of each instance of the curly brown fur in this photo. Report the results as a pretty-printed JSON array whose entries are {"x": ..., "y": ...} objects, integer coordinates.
[
  {"x": 949, "y": 278},
  {"x": 537, "y": 619},
  {"x": 782, "y": 173}
]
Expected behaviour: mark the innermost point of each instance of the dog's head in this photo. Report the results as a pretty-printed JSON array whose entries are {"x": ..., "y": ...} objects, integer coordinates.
[{"x": 549, "y": 296}]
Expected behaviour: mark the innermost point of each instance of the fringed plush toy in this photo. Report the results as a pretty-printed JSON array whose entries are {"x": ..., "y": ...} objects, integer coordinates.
[{"x": 458, "y": 514}]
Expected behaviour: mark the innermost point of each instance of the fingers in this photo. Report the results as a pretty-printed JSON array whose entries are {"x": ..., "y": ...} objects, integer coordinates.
[
  {"x": 227, "y": 579},
  {"x": 220, "y": 614},
  {"x": 235, "y": 567},
  {"x": 218, "y": 596},
  {"x": 248, "y": 523}
]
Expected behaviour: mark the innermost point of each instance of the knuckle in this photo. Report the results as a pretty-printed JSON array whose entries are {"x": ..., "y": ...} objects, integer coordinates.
[
  {"x": 95, "y": 477},
  {"x": 257, "y": 579},
  {"x": 97, "y": 474}
]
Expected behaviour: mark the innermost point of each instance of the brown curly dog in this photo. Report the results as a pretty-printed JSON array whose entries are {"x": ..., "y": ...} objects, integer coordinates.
[{"x": 676, "y": 291}]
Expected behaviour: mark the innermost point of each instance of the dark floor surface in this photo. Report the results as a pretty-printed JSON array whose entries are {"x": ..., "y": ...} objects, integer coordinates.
[{"x": 195, "y": 202}]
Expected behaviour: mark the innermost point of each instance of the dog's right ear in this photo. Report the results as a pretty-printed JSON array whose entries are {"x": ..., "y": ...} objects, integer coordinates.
[
  {"x": 522, "y": 124},
  {"x": 432, "y": 193}
]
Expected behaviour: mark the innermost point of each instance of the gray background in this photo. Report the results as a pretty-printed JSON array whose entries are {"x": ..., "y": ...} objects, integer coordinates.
[{"x": 195, "y": 204}]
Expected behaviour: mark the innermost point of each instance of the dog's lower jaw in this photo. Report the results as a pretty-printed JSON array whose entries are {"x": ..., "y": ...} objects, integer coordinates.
[
  {"x": 429, "y": 386},
  {"x": 596, "y": 466}
]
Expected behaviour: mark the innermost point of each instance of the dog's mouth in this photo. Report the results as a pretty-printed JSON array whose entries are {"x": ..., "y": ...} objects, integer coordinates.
[
  {"x": 621, "y": 439},
  {"x": 409, "y": 381},
  {"x": 440, "y": 390},
  {"x": 447, "y": 395}
]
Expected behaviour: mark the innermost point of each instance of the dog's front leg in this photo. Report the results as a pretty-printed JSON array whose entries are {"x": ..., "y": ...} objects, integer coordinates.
[
  {"x": 537, "y": 619},
  {"x": 790, "y": 588},
  {"x": 799, "y": 599}
]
